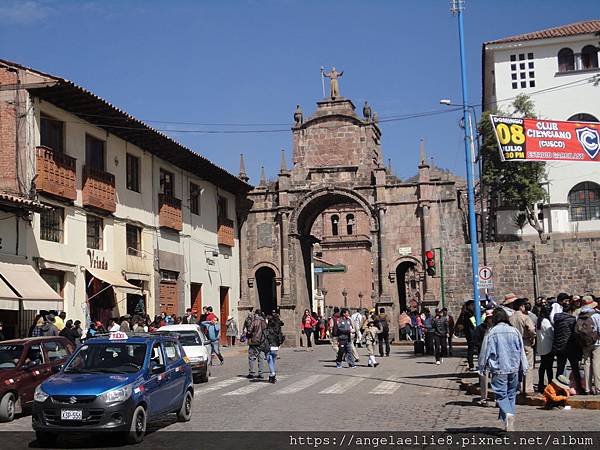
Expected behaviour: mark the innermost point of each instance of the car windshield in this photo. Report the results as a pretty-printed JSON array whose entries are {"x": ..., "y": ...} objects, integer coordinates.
[
  {"x": 10, "y": 356},
  {"x": 109, "y": 358},
  {"x": 189, "y": 338}
]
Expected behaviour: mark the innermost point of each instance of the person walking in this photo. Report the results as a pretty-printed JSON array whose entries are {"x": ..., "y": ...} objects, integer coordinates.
[
  {"x": 272, "y": 340},
  {"x": 307, "y": 325},
  {"x": 357, "y": 320},
  {"x": 384, "y": 336},
  {"x": 440, "y": 336},
  {"x": 232, "y": 330},
  {"x": 564, "y": 344},
  {"x": 333, "y": 321},
  {"x": 213, "y": 328},
  {"x": 545, "y": 336},
  {"x": 587, "y": 332},
  {"x": 445, "y": 313},
  {"x": 523, "y": 324},
  {"x": 503, "y": 355},
  {"x": 255, "y": 332},
  {"x": 344, "y": 335},
  {"x": 480, "y": 333},
  {"x": 371, "y": 332},
  {"x": 468, "y": 323}
]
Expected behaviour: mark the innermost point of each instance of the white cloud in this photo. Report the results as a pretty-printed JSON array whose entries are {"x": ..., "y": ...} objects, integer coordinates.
[{"x": 24, "y": 12}]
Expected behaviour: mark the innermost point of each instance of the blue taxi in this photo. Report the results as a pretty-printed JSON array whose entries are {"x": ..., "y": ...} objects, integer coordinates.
[{"x": 115, "y": 383}]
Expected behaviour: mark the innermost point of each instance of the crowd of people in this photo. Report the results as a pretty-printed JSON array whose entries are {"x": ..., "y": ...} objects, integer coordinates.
[{"x": 560, "y": 329}]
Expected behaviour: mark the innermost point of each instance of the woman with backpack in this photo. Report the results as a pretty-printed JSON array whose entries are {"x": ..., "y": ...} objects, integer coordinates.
[{"x": 272, "y": 340}]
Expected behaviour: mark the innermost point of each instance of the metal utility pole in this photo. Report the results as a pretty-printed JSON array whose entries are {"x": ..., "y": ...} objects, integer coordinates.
[{"x": 457, "y": 9}]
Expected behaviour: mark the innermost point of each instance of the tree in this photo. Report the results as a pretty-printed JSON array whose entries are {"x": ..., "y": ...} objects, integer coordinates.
[
  {"x": 519, "y": 221},
  {"x": 519, "y": 184}
]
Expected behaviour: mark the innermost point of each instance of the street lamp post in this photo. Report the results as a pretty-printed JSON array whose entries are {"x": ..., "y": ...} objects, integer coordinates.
[
  {"x": 457, "y": 9},
  {"x": 345, "y": 294},
  {"x": 324, "y": 292}
]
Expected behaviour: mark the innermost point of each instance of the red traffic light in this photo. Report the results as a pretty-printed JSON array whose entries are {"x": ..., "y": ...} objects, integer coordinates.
[{"x": 429, "y": 254}]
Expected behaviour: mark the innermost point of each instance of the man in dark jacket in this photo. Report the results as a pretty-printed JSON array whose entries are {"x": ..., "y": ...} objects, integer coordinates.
[
  {"x": 343, "y": 332},
  {"x": 564, "y": 344},
  {"x": 255, "y": 339},
  {"x": 384, "y": 335}
]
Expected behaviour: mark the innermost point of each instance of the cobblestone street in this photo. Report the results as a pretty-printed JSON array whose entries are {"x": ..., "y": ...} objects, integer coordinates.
[{"x": 403, "y": 394}]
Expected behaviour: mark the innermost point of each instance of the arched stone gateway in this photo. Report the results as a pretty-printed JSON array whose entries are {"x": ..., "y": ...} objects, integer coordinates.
[{"x": 333, "y": 226}]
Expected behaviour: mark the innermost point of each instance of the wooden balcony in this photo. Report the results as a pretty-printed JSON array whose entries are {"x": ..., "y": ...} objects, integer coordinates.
[
  {"x": 226, "y": 235},
  {"x": 99, "y": 189},
  {"x": 56, "y": 173},
  {"x": 169, "y": 212}
]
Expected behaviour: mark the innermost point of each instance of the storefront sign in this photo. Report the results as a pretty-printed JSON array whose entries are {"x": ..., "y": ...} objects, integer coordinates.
[
  {"x": 96, "y": 262},
  {"x": 546, "y": 140}
]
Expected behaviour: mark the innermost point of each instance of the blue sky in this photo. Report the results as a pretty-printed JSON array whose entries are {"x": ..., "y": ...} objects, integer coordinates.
[{"x": 251, "y": 61}]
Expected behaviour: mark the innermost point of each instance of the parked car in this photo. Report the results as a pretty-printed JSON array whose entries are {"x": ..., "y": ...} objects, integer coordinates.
[
  {"x": 25, "y": 363},
  {"x": 115, "y": 383},
  {"x": 196, "y": 346}
]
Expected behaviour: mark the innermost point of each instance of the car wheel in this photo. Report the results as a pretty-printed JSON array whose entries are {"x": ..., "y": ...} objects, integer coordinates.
[
  {"x": 45, "y": 439},
  {"x": 204, "y": 376},
  {"x": 138, "y": 426},
  {"x": 7, "y": 407},
  {"x": 185, "y": 412}
]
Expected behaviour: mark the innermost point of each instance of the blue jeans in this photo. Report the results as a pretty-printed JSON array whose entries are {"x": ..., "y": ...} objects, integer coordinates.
[
  {"x": 505, "y": 386},
  {"x": 271, "y": 359}
]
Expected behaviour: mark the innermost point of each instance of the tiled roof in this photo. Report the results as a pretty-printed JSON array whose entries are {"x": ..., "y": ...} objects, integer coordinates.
[
  {"x": 573, "y": 29},
  {"x": 76, "y": 99},
  {"x": 20, "y": 202}
]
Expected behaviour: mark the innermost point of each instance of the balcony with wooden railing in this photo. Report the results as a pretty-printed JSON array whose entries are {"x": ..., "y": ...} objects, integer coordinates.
[
  {"x": 56, "y": 173},
  {"x": 226, "y": 235},
  {"x": 99, "y": 189},
  {"x": 169, "y": 212}
]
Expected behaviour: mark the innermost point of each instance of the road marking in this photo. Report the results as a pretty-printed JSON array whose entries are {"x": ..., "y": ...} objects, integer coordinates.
[
  {"x": 253, "y": 386},
  {"x": 387, "y": 387},
  {"x": 341, "y": 386},
  {"x": 302, "y": 384},
  {"x": 210, "y": 387}
]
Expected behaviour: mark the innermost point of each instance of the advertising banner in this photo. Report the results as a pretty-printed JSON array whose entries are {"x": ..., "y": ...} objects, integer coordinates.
[{"x": 546, "y": 140}]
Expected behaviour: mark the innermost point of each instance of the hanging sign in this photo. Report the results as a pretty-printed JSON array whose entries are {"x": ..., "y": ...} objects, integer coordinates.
[{"x": 546, "y": 140}]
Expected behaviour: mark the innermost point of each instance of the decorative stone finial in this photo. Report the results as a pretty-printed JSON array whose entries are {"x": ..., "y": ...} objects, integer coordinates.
[
  {"x": 298, "y": 116},
  {"x": 243, "y": 176},
  {"x": 367, "y": 112},
  {"x": 282, "y": 163},
  {"x": 263, "y": 177}
]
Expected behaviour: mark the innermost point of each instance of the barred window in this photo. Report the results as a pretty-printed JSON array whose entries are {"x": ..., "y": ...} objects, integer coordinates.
[
  {"x": 94, "y": 232},
  {"x": 51, "y": 224},
  {"x": 584, "y": 202},
  {"x": 134, "y": 241}
]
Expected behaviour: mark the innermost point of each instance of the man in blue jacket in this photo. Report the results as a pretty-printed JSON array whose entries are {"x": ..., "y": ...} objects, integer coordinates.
[{"x": 212, "y": 330}]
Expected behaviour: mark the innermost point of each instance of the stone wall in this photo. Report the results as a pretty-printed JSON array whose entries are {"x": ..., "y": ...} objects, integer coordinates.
[{"x": 567, "y": 265}]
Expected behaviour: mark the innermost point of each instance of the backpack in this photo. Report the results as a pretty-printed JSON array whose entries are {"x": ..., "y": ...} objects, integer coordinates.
[
  {"x": 385, "y": 327},
  {"x": 585, "y": 334}
]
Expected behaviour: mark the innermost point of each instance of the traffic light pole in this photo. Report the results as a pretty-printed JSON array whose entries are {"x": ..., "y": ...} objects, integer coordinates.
[
  {"x": 443, "y": 289},
  {"x": 457, "y": 8}
]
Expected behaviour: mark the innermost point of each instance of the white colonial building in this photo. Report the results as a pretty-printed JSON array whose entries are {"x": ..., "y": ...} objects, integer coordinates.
[
  {"x": 115, "y": 216},
  {"x": 557, "y": 68}
]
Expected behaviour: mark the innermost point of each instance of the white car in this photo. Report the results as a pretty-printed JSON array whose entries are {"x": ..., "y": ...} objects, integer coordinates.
[{"x": 196, "y": 346}]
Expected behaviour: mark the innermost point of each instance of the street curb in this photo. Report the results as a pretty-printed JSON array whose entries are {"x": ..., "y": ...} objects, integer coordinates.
[{"x": 575, "y": 402}]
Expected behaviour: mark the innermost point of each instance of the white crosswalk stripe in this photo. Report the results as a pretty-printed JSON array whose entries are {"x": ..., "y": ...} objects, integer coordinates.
[
  {"x": 341, "y": 386},
  {"x": 302, "y": 384},
  {"x": 253, "y": 386},
  {"x": 210, "y": 387},
  {"x": 391, "y": 385}
]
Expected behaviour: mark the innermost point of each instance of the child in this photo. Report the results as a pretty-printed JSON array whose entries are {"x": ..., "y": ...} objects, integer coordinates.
[
  {"x": 557, "y": 393},
  {"x": 371, "y": 332}
]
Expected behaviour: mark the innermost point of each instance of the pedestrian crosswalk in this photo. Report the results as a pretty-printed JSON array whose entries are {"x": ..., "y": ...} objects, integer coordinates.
[{"x": 301, "y": 382}]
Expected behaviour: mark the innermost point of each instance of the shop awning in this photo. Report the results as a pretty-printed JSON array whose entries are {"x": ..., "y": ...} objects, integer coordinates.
[
  {"x": 8, "y": 299},
  {"x": 116, "y": 280},
  {"x": 31, "y": 288}
]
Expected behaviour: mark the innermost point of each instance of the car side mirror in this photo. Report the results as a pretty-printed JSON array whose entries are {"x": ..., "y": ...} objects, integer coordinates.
[
  {"x": 156, "y": 369},
  {"x": 57, "y": 368}
]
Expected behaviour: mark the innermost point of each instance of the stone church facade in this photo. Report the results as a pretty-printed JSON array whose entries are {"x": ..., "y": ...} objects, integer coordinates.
[{"x": 337, "y": 228}]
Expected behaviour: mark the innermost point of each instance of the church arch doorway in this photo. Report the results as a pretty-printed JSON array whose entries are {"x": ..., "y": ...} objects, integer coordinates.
[{"x": 267, "y": 289}]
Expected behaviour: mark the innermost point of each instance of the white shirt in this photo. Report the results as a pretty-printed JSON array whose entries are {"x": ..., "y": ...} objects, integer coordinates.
[
  {"x": 545, "y": 336},
  {"x": 115, "y": 327}
]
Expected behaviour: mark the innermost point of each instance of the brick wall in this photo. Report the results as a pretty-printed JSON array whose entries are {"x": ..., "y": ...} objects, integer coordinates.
[
  {"x": 568, "y": 265},
  {"x": 8, "y": 168}
]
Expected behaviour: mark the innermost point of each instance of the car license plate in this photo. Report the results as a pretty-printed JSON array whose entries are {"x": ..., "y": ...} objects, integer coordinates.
[{"x": 71, "y": 414}]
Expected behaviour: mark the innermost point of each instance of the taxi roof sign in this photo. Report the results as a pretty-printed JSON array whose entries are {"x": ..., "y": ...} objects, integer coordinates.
[{"x": 118, "y": 336}]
